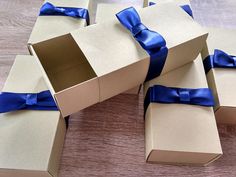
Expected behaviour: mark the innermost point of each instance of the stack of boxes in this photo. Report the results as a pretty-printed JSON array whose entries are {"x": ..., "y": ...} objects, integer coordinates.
[{"x": 82, "y": 66}]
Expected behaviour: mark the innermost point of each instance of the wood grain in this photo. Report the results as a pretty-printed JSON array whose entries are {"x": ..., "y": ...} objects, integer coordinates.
[{"x": 107, "y": 139}]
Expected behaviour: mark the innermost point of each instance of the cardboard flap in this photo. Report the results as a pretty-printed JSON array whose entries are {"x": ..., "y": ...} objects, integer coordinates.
[
  {"x": 47, "y": 27},
  {"x": 109, "y": 46}
]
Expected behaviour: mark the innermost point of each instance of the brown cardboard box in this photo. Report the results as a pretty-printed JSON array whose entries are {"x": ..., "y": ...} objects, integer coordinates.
[
  {"x": 179, "y": 2},
  {"x": 222, "y": 81},
  {"x": 181, "y": 133},
  {"x": 106, "y": 12},
  {"x": 92, "y": 64},
  {"x": 47, "y": 27},
  {"x": 31, "y": 141}
]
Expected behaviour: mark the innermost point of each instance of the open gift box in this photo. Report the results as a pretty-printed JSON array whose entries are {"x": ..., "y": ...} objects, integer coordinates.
[
  {"x": 221, "y": 79},
  {"x": 31, "y": 141},
  {"x": 95, "y": 63},
  {"x": 49, "y": 26},
  {"x": 181, "y": 133}
]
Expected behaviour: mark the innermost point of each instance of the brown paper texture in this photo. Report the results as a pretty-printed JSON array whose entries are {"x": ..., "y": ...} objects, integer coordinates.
[
  {"x": 31, "y": 141},
  {"x": 180, "y": 133},
  {"x": 178, "y": 2},
  {"x": 222, "y": 81},
  {"x": 104, "y": 59},
  {"x": 47, "y": 27},
  {"x": 106, "y": 12}
]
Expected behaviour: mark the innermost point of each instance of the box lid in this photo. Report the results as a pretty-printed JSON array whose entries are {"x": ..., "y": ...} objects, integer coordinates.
[
  {"x": 222, "y": 80},
  {"x": 27, "y": 138},
  {"x": 105, "y": 60},
  {"x": 182, "y": 133},
  {"x": 47, "y": 27},
  {"x": 107, "y": 11}
]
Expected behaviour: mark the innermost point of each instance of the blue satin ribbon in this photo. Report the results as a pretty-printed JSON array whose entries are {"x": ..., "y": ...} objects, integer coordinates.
[
  {"x": 219, "y": 59},
  {"x": 26, "y": 101},
  {"x": 186, "y": 8},
  {"x": 168, "y": 95},
  {"x": 50, "y": 9},
  {"x": 151, "y": 41}
]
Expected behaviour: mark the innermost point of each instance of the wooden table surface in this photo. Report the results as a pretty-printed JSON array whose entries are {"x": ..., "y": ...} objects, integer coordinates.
[{"x": 107, "y": 139}]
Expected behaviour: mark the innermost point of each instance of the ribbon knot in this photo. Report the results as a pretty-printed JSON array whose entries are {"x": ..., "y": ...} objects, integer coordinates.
[
  {"x": 184, "y": 95},
  {"x": 26, "y": 101},
  {"x": 31, "y": 99},
  {"x": 169, "y": 95},
  {"x": 219, "y": 59},
  {"x": 137, "y": 29},
  {"x": 50, "y": 9},
  {"x": 151, "y": 41}
]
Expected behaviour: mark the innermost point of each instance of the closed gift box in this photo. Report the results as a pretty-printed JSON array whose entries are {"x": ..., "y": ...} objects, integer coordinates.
[
  {"x": 179, "y": 2},
  {"x": 181, "y": 133},
  {"x": 222, "y": 80},
  {"x": 106, "y": 12},
  {"x": 31, "y": 141},
  {"x": 92, "y": 64},
  {"x": 49, "y": 26}
]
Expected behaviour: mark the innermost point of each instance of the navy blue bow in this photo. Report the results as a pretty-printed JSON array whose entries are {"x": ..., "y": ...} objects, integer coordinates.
[
  {"x": 219, "y": 59},
  {"x": 151, "y": 41},
  {"x": 186, "y": 8},
  {"x": 26, "y": 101},
  {"x": 167, "y": 95},
  {"x": 50, "y": 9}
]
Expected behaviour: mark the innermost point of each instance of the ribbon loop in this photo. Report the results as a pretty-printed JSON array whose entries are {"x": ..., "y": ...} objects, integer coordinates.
[
  {"x": 151, "y": 41},
  {"x": 138, "y": 28},
  {"x": 26, "y": 101},
  {"x": 234, "y": 58},
  {"x": 219, "y": 59},
  {"x": 50, "y": 9},
  {"x": 168, "y": 95},
  {"x": 31, "y": 99},
  {"x": 184, "y": 95}
]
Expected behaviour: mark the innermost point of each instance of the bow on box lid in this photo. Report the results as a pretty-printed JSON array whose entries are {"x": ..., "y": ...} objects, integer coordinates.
[
  {"x": 151, "y": 41},
  {"x": 219, "y": 59},
  {"x": 50, "y": 9},
  {"x": 26, "y": 101},
  {"x": 168, "y": 95}
]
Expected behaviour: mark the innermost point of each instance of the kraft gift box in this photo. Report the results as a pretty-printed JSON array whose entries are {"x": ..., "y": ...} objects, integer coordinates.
[
  {"x": 95, "y": 63},
  {"x": 31, "y": 141},
  {"x": 181, "y": 133},
  {"x": 106, "y": 12},
  {"x": 179, "y": 2},
  {"x": 47, "y": 27},
  {"x": 222, "y": 80}
]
